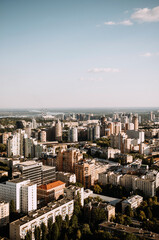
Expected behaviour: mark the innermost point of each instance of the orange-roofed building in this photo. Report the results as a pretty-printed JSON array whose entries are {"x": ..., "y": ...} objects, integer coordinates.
[{"x": 50, "y": 191}]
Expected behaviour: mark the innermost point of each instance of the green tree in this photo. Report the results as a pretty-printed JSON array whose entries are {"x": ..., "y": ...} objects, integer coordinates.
[
  {"x": 97, "y": 189},
  {"x": 49, "y": 228},
  {"x": 67, "y": 220},
  {"x": 128, "y": 211},
  {"x": 142, "y": 215},
  {"x": 86, "y": 229},
  {"x": 12, "y": 206},
  {"x": 65, "y": 237},
  {"x": 37, "y": 233},
  {"x": 28, "y": 236},
  {"x": 59, "y": 221},
  {"x": 55, "y": 231},
  {"x": 78, "y": 234},
  {"x": 44, "y": 231},
  {"x": 148, "y": 213},
  {"x": 74, "y": 221},
  {"x": 2, "y": 147}
]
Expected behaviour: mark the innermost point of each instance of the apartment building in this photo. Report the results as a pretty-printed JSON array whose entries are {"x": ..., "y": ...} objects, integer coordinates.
[
  {"x": 66, "y": 177},
  {"x": 73, "y": 192},
  {"x": 66, "y": 159},
  {"x": 19, "y": 228},
  {"x": 4, "y": 213},
  {"x": 22, "y": 192},
  {"x": 85, "y": 173},
  {"x": 133, "y": 202}
]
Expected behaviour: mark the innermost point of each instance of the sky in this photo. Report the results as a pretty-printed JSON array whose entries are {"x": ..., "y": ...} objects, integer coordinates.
[{"x": 79, "y": 54}]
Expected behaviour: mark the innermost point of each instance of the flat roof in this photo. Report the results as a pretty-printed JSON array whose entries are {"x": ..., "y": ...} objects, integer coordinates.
[
  {"x": 37, "y": 213},
  {"x": 136, "y": 231},
  {"x": 112, "y": 201}
]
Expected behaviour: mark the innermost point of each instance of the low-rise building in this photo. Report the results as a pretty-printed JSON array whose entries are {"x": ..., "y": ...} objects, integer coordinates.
[
  {"x": 93, "y": 205},
  {"x": 133, "y": 202},
  {"x": 73, "y": 192},
  {"x": 116, "y": 228},
  {"x": 50, "y": 191}
]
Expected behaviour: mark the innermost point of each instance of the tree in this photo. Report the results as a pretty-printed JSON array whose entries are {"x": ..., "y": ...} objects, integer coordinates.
[
  {"x": 12, "y": 207},
  {"x": 148, "y": 213},
  {"x": 86, "y": 229},
  {"x": 49, "y": 227},
  {"x": 67, "y": 219},
  {"x": 74, "y": 221},
  {"x": 44, "y": 231},
  {"x": 65, "y": 237},
  {"x": 37, "y": 233},
  {"x": 142, "y": 215},
  {"x": 28, "y": 236},
  {"x": 128, "y": 211},
  {"x": 59, "y": 221},
  {"x": 78, "y": 234},
  {"x": 2, "y": 147},
  {"x": 55, "y": 231},
  {"x": 97, "y": 189}
]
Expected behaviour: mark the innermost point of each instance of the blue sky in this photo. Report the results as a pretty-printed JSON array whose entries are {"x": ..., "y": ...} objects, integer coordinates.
[{"x": 88, "y": 53}]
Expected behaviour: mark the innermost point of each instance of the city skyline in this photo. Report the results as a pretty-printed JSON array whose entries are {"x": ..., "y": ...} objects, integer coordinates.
[{"x": 71, "y": 54}]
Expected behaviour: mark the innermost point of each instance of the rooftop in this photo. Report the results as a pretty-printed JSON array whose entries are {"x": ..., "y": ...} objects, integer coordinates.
[
  {"x": 51, "y": 185},
  {"x": 37, "y": 213},
  {"x": 126, "y": 229}
]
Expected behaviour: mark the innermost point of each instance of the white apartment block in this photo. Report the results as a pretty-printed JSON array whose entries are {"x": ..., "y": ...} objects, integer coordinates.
[
  {"x": 4, "y": 213},
  {"x": 111, "y": 152},
  {"x": 146, "y": 183},
  {"x": 73, "y": 134},
  {"x": 22, "y": 192},
  {"x": 133, "y": 202},
  {"x": 20, "y": 227},
  {"x": 13, "y": 145},
  {"x": 136, "y": 134}
]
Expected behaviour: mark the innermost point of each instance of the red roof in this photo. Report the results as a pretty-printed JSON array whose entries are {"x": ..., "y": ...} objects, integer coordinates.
[{"x": 51, "y": 185}]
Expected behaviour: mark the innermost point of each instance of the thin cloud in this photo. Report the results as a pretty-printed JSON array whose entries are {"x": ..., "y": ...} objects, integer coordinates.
[
  {"x": 125, "y": 23},
  {"x": 149, "y": 54},
  {"x": 146, "y": 15},
  {"x": 110, "y": 23},
  {"x": 106, "y": 70},
  {"x": 91, "y": 79}
]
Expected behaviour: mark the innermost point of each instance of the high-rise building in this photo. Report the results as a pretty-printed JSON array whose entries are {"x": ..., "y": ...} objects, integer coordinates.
[
  {"x": 72, "y": 134},
  {"x": 13, "y": 145},
  {"x": 93, "y": 132},
  {"x": 136, "y": 123},
  {"x": 43, "y": 136},
  {"x": 22, "y": 192},
  {"x": 48, "y": 174},
  {"x": 85, "y": 173},
  {"x": 31, "y": 170},
  {"x": 58, "y": 131},
  {"x": 66, "y": 159},
  {"x": 34, "y": 124}
]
